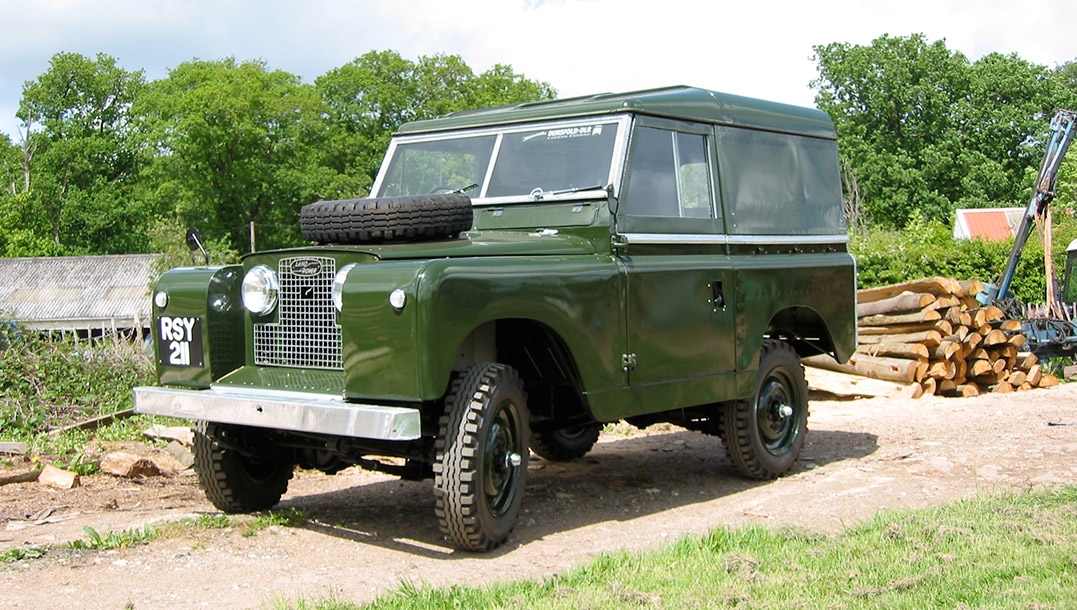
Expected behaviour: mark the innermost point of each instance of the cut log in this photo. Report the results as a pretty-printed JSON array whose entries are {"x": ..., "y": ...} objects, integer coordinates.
[
  {"x": 946, "y": 385},
  {"x": 1016, "y": 378},
  {"x": 1026, "y": 360},
  {"x": 1034, "y": 374},
  {"x": 995, "y": 337},
  {"x": 932, "y": 285},
  {"x": 1048, "y": 381},
  {"x": 959, "y": 333},
  {"x": 843, "y": 384},
  {"x": 901, "y": 303},
  {"x": 955, "y": 316},
  {"x": 901, "y": 350},
  {"x": 999, "y": 366},
  {"x": 905, "y": 318},
  {"x": 1002, "y": 388},
  {"x": 1018, "y": 341},
  {"x": 968, "y": 390},
  {"x": 1007, "y": 325},
  {"x": 929, "y": 338},
  {"x": 971, "y": 287},
  {"x": 941, "y": 369},
  {"x": 973, "y": 340},
  {"x": 942, "y": 326},
  {"x": 989, "y": 378},
  {"x": 979, "y": 367},
  {"x": 929, "y": 384},
  {"x": 877, "y": 367},
  {"x": 1026, "y": 386},
  {"x": 945, "y": 350}
]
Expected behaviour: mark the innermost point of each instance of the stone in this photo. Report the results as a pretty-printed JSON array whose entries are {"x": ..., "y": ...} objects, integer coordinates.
[
  {"x": 128, "y": 465},
  {"x": 58, "y": 477}
]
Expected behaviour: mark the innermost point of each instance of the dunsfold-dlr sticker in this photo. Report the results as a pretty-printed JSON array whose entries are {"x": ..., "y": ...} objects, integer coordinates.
[{"x": 179, "y": 341}]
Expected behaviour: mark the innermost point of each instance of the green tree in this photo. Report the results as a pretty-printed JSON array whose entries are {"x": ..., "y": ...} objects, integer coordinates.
[
  {"x": 236, "y": 143},
  {"x": 369, "y": 97},
  {"x": 925, "y": 130},
  {"x": 81, "y": 157}
]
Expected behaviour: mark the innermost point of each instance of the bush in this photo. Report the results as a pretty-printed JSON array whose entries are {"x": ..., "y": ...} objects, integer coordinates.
[
  {"x": 46, "y": 383},
  {"x": 927, "y": 248}
]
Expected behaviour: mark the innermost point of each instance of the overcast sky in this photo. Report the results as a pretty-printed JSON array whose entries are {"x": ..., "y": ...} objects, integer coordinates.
[{"x": 759, "y": 49}]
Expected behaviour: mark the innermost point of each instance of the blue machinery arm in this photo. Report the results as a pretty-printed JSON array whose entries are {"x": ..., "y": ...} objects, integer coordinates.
[{"x": 1062, "y": 131}]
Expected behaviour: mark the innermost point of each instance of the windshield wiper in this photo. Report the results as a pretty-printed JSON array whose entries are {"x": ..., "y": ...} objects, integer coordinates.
[{"x": 537, "y": 194}]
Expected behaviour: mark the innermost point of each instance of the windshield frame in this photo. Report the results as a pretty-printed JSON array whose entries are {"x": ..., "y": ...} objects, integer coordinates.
[{"x": 478, "y": 198}]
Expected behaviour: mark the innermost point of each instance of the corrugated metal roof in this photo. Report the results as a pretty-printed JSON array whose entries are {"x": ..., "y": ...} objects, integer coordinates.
[
  {"x": 76, "y": 292},
  {"x": 990, "y": 224}
]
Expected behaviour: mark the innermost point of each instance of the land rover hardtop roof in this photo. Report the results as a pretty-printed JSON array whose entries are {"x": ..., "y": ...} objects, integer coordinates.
[{"x": 679, "y": 102}]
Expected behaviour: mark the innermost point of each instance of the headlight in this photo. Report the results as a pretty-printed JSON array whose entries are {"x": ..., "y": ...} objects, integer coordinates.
[
  {"x": 338, "y": 285},
  {"x": 260, "y": 290}
]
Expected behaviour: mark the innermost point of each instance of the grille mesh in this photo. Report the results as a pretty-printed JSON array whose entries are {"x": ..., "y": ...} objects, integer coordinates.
[{"x": 306, "y": 334}]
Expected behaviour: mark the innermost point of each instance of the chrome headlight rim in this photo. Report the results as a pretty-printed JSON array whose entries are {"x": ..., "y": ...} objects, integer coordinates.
[{"x": 260, "y": 289}]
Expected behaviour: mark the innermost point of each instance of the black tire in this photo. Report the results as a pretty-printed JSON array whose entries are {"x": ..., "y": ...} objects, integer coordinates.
[
  {"x": 233, "y": 482},
  {"x": 566, "y": 443},
  {"x": 361, "y": 221},
  {"x": 480, "y": 467},
  {"x": 761, "y": 441}
]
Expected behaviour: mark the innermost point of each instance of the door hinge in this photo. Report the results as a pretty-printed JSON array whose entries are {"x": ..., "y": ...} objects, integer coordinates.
[{"x": 628, "y": 362}]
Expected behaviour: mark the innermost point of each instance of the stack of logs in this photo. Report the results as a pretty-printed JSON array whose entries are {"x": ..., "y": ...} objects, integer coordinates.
[{"x": 934, "y": 333}]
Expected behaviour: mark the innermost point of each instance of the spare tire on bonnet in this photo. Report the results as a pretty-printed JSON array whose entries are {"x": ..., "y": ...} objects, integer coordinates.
[{"x": 362, "y": 221}]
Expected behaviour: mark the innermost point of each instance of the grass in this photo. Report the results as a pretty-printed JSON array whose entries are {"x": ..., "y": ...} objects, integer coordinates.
[{"x": 1016, "y": 550}]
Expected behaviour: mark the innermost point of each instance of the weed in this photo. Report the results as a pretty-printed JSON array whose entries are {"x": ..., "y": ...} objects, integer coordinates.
[
  {"x": 281, "y": 518},
  {"x": 21, "y": 554},
  {"x": 113, "y": 539}
]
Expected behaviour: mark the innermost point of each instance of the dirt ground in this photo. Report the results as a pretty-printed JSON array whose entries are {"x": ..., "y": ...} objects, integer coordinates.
[{"x": 368, "y": 532}]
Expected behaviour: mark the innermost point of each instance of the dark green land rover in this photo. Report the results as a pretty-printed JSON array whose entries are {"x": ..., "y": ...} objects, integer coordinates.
[{"x": 519, "y": 277}]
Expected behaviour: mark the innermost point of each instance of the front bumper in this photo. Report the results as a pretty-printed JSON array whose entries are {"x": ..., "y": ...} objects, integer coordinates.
[{"x": 296, "y": 411}]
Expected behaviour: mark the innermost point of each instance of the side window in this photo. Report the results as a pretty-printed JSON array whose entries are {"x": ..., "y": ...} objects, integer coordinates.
[{"x": 669, "y": 175}]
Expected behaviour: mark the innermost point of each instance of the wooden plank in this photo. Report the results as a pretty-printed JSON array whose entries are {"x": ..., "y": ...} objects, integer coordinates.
[
  {"x": 13, "y": 448},
  {"x": 93, "y": 423}
]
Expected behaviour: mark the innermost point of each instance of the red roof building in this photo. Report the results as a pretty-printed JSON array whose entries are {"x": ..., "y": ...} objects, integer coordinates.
[{"x": 988, "y": 224}]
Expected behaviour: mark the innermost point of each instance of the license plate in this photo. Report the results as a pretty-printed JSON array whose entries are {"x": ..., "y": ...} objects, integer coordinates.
[{"x": 179, "y": 341}]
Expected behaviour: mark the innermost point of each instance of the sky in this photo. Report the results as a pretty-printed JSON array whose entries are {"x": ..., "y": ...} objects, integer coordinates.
[{"x": 758, "y": 49}]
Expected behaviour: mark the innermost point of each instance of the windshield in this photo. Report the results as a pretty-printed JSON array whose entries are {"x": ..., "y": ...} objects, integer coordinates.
[{"x": 553, "y": 160}]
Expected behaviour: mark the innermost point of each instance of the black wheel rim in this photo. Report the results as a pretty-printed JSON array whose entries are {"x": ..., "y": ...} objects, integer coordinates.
[
  {"x": 572, "y": 434},
  {"x": 258, "y": 471},
  {"x": 502, "y": 459},
  {"x": 777, "y": 413}
]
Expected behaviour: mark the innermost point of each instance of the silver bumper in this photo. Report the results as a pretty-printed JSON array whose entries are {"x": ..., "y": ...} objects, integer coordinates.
[{"x": 296, "y": 411}]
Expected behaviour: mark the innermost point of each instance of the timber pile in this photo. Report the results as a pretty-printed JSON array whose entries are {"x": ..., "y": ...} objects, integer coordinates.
[{"x": 933, "y": 333}]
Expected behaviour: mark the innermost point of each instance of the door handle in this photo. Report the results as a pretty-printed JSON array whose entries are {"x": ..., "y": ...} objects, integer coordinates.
[{"x": 717, "y": 295}]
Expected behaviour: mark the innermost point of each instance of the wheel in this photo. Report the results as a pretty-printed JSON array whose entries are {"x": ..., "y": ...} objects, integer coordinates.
[
  {"x": 233, "y": 482},
  {"x": 360, "y": 221},
  {"x": 565, "y": 443},
  {"x": 764, "y": 434},
  {"x": 480, "y": 466}
]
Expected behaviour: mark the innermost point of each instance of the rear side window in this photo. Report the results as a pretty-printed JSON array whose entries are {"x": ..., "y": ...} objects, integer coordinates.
[
  {"x": 776, "y": 183},
  {"x": 669, "y": 175}
]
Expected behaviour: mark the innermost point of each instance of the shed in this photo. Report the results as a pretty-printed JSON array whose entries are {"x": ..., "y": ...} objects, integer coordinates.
[
  {"x": 84, "y": 294},
  {"x": 988, "y": 224}
]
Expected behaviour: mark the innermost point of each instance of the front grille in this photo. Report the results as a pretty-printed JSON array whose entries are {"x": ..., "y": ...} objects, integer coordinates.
[{"x": 306, "y": 334}]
